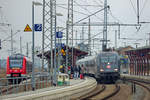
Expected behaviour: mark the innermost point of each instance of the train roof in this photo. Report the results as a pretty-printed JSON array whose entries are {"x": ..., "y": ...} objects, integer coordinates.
[
  {"x": 110, "y": 52},
  {"x": 87, "y": 58},
  {"x": 19, "y": 55}
]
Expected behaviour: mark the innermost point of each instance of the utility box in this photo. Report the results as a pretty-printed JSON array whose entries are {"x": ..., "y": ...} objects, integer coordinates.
[{"x": 63, "y": 79}]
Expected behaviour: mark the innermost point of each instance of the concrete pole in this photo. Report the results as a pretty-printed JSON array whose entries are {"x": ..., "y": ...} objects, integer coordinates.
[
  {"x": 104, "y": 43},
  {"x": 72, "y": 51},
  {"x": 43, "y": 30},
  {"x": 27, "y": 53},
  {"x": 82, "y": 38},
  {"x": 67, "y": 45},
  {"x": 76, "y": 37},
  {"x": 138, "y": 16},
  {"x": 55, "y": 72},
  {"x": 11, "y": 42},
  {"x": 115, "y": 39},
  {"x": 51, "y": 32},
  {"x": 149, "y": 39},
  {"x": 89, "y": 39},
  {"x": 20, "y": 45},
  {"x": 33, "y": 79}
]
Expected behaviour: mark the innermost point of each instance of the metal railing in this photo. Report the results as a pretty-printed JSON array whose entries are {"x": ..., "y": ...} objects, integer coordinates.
[{"x": 21, "y": 84}]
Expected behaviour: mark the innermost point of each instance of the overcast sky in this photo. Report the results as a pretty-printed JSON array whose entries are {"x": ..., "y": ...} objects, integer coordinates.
[{"x": 18, "y": 13}]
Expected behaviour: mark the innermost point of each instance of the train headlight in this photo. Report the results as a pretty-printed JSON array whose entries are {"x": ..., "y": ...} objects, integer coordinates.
[
  {"x": 116, "y": 69},
  {"x": 101, "y": 70},
  {"x": 21, "y": 71},
  {"x": 10, "y": 70}
]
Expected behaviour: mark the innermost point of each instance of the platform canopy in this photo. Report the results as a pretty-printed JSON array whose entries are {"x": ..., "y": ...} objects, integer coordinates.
[{"x": 76, "y": 52}]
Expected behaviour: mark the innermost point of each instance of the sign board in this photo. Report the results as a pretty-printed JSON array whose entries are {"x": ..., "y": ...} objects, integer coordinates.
[
  {"x": 59, "y": 34},
  {"x": 38, "y": 27},
  {"x": 60, "y": 45},
  {"x": 27, "y": 28}
]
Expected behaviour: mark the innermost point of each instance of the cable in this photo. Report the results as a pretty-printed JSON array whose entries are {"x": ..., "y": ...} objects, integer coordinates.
[
  {"x": 97, "y": 3},
  {"x": 80, "y": 5},
  {"x": 86, "y": 17},
  {"x": 73, "y": 10},
  {"x": 143, "y": 6},
  {"x": 90, "y": 15},
  {"x": 9, "y": 37},
  {"x": 101, "y": 1},
  {"x": 87, "y": 10},
  {"x": 115, "y": 18},
  {"x": 3, "y": 30},
  {"x": 133, "y": 7}
]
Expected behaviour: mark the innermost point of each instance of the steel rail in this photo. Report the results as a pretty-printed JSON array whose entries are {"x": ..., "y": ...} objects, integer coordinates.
[
  {"x": 85, "y": 97},
  {"x": 113, "y": 93},
  {"x": 138, "y": 82}
]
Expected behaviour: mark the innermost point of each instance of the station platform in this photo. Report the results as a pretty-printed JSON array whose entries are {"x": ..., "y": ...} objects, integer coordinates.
[
  {"x": 55, "y": 92},
  {"x": 146, "y": 78}
]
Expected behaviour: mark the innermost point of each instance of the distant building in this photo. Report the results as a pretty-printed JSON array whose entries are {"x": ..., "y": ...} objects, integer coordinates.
[
  {"x": 38, "y": 62},
  {"x": 121, "y": 50},
  {"x": 83, "y": 47},
  {"x": 2, "y": 63}
]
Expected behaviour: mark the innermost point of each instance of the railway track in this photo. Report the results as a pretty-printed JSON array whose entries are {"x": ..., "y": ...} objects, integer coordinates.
[
  {"x": 142, "y": 83},
  {"x": 102, "y": 92}
]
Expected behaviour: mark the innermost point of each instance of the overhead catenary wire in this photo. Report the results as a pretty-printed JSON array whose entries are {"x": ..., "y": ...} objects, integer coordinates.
[
  {"x": 90, "y": 15},
  {"x": 98, "y": 3},
  {"x": 143, "y": 7},
  {"x": 73, "y": 10},
  {"x": 6, "y": 39},
  {"x": 86, "y": 10},
  {"x": 101, "y": 1},
  {"x": 88, "y": 5},
  {"x": 133, "y": 7},
  {"x": 115, "y": 18},
  {"x": 87, "y": 17}
]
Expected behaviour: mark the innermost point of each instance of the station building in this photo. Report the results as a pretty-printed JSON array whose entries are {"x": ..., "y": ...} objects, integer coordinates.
[{"x": 139, "y": 60}]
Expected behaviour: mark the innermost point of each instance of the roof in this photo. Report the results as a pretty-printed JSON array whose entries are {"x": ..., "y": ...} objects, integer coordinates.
[
  {"x": 122, "y": 48},
  {"x": 77, "y": 52},
  {"x": 140, "y": 48}
]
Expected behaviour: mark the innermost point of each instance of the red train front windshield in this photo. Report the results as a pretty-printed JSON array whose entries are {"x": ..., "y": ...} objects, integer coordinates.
[{"x": 16, "y": 63}]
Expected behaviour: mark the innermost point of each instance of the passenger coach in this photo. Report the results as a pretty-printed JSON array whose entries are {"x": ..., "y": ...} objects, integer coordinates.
[{"x": 103, "y": 66}]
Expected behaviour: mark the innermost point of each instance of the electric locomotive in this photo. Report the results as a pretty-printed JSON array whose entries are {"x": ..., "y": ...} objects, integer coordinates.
[
  {"x": 18, "y": 65},
  {"x": 103, "y": 66}
]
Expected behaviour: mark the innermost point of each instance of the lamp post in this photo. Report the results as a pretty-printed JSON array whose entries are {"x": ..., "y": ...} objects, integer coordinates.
[{"x": 33, "y": 79}]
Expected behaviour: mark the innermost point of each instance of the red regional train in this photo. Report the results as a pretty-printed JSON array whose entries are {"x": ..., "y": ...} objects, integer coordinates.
[{"x": 18, "y": 65}]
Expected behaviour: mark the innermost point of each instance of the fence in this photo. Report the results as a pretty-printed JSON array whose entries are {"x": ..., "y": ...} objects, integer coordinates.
[{"x": 22, "y": 84}]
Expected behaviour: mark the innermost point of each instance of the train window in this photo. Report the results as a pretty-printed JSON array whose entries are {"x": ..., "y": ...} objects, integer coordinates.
[
  {"x": 108, "y": 59},
  {"x": 15, "y": 63}
]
